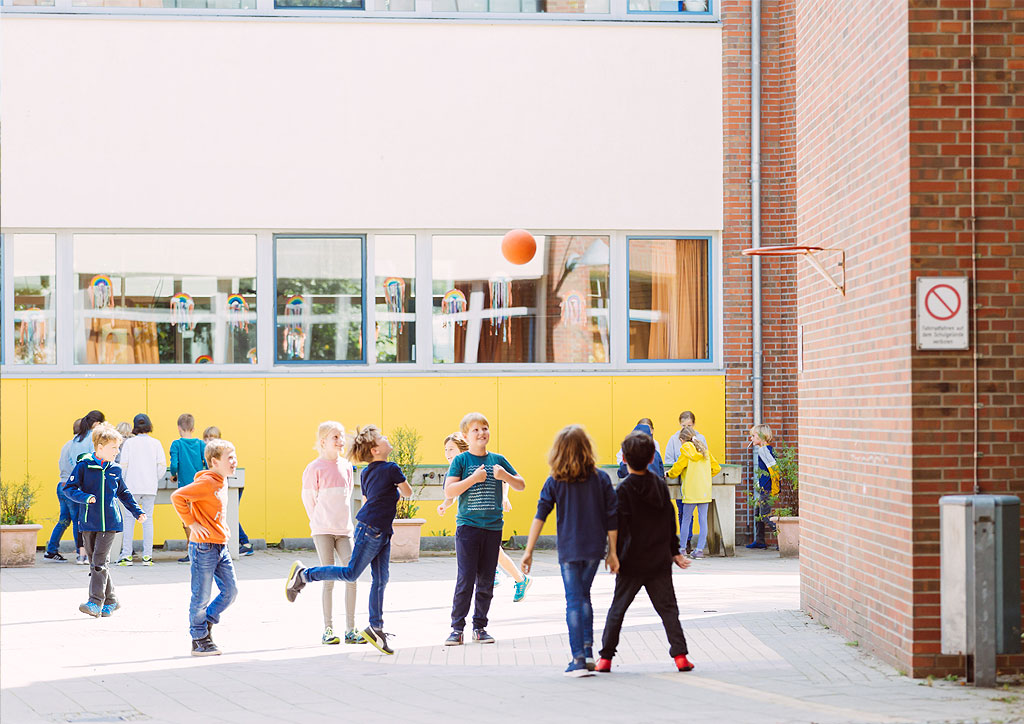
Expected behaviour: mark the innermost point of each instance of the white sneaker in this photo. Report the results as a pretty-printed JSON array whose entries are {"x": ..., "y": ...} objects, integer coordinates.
[{"x": 125, "y": 562}]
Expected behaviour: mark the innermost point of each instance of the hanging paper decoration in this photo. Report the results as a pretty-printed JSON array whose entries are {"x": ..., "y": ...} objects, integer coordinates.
[
  {"x": 101, "y": 291},
  {"x": 183, "y": 312},
  {"x": 394, "y": 297},
  {"x": 204, "y": 359},
  {"x": 32, "y": 334},
  {"x": 501, "y": 302},
  {"x": 572, "y": 311},
  {"x": 294, "y": 330},
  {"x": 251, "y": 355},
  {"x": 453, "y": 302},
  {"x": 238, "y": 313}
]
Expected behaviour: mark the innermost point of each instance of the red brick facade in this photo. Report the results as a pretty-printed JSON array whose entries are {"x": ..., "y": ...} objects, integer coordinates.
[
  {"x": 883, "y": 169},
  {"x": 778, "y": 226}
]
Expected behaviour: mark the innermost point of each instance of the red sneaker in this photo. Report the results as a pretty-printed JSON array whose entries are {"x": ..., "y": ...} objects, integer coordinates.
[
  {"x": 604, "y": 666},
  {"x": 682, "y": 663}
]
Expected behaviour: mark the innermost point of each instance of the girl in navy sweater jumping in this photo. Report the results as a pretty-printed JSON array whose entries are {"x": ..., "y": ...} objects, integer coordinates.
[{"x": 586, "y": 519}]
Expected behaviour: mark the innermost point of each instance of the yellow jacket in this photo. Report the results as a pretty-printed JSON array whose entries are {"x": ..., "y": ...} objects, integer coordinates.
[{"x": 698, "y": 473}]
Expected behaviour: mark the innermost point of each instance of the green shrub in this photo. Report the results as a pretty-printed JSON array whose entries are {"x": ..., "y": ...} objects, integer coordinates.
[
  {"x": 15, "y": 502},
  {"x": 406, "y": 443}
]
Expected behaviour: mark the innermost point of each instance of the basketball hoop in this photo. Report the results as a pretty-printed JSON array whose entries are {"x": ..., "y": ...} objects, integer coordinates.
[{"x": 807, "y": 252}]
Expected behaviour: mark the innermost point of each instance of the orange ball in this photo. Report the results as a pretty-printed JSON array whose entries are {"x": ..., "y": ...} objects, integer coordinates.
[{"x": 518, "y": 246}]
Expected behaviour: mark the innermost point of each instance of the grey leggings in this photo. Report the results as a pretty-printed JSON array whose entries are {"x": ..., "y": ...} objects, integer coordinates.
[{"x": 326, "y": 547}]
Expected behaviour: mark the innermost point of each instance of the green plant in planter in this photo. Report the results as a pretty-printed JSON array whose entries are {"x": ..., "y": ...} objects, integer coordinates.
[
  {"x": 15, "y": 502},
  {"x": 406, "y": 442}
]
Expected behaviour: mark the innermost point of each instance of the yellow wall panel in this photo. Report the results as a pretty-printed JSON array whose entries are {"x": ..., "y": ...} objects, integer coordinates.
[
  {"x": 295, "y": 407},
  {"x": 14, "y": 433},
  {"x": 663, "y": 398}
]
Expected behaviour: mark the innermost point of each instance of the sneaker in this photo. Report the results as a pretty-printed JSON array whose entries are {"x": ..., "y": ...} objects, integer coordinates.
[
  {"x": 697, "y": 554},
  {"x": 186, "y": 559},
  {"x": 354, "y": 637},
  {"x": 81, "y": 559},
  {"x": 521, "y": 588},
  {"x": 578, "y": 668},
  {"x": 55, "y": 557},
  {"x": 126, "y": 561},
  {"x": 604, "y": 666},
  {"x": 329, "y": 637},
  {"x": 246, "y": 550},
  {"x": 588, "y": 657},
  {"x": 454, "y": 639},
  {"x": 295, "y": 582},
  {"x": 756, "y": 544},
  {"x": 204, "y": 647},
  {"x": 683, "y": 663},
  {"x": 93, "y": 609},
  {"x": 108, "y": 610},
  {"x": 147, "y": 560},
  {"x": 482, "y": 637},
  {"x": 378, "y": 638},
  {"x": 497, "y": 579}
]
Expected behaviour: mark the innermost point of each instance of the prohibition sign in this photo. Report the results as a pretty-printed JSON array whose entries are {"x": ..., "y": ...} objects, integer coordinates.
[{"x": 942, "y": 302}]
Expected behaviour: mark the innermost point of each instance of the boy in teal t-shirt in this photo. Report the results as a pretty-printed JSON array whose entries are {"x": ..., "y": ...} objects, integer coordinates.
[
  {"x": 187, "y": 459},
  {"x": 476, "y": 477}
]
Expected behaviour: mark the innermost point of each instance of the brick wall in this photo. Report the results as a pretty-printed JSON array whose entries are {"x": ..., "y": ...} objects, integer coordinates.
[
  {"x": 778, "y": 226},
  {"x": 940, "y": 244},
  {"x": 883, "y": 167}
]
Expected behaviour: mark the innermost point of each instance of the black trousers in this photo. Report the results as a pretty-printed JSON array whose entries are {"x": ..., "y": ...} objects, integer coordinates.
[
  {"x": 663, "y": 597},
  {"x": 476, "y": 553}
]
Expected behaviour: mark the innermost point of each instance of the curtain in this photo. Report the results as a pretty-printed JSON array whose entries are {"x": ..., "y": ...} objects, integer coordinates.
[
  {"x": 121, "y": 341},
  {"x": 678, "y": 293}
]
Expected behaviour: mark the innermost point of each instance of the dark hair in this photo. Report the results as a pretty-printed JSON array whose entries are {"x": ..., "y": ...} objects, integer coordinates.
[
  {"x": 76, "y": 427},
  {"x": 88, "y": 422},
  {"x": 687, "y": 414},
  {"x": 638, "y": 450},
  {"x": 141, "y": 424}
]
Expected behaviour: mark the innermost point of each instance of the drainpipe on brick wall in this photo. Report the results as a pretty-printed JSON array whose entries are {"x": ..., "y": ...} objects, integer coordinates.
[
  {"x": 755, "y": 220},
  {"x": 975, "y": 352}
]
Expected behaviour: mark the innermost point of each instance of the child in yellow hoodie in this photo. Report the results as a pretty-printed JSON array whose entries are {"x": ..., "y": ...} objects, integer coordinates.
[
  {"x": 697, "y": 466},
  {"x": 202, "y": 507}
]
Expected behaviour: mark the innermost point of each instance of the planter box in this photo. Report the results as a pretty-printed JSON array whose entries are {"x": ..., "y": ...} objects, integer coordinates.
[
  {"x": 405, "y": 543},
  {"x": 788, "y": 531},
  {"x": 18, "y": 545}
]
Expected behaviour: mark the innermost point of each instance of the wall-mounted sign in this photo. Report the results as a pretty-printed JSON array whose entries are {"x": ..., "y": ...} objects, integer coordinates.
[{"x": 942, "y": 318}]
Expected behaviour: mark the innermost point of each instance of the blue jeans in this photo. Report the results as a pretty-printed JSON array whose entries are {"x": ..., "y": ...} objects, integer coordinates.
[
  {"x": 210, "y": 562},
  {"x": 68, "y": 515},
  {"x": 370, "y": 547},
  {"x": 577, "y": 577},
  {"x": 243, "y": 539},
  {"x": 686, "y": 520}
]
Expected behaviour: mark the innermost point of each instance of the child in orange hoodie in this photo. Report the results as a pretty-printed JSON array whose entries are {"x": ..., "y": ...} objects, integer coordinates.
[{"x": 202, "y": 507}]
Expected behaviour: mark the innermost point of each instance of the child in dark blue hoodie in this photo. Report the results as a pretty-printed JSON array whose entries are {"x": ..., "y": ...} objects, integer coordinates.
[
  {"x": 656, "y": 466},
  {"x": 96, "y": 482},
  {"x": 647, "y": 547}
]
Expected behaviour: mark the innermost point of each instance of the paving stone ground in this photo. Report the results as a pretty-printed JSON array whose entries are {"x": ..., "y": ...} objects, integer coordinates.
[{"x": 758, "y": 658}]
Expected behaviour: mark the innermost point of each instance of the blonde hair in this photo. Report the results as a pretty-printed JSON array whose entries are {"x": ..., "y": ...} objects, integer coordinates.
[
  {"x": 687, "y": 434},
  {"x": 212, "y": 432},
  {"x": 125, "y": 429},
  {"x": 215, "y": 449},
  {"x": 326, "y": 428},
  {"x": 186, "y": 422},
  {"x": 104, "y": 433},
  {"x": 459, "y": 440},
  {"x": 763, "y": 431},
  {"x": 470, "y": 419},
  {"x": 572, "y": 455},
  {"x": 363, "y": 443}
]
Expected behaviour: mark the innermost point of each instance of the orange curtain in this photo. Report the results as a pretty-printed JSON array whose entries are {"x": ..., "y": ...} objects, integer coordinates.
[
  {"x": 679, "y": 273},
  {"x": 122, "y": 341}
]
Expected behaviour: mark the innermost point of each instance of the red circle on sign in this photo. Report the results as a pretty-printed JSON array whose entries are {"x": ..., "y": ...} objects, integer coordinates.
[{"x": 938, "y": 307}]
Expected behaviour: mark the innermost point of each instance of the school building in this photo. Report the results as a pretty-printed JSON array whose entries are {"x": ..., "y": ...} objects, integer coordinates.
[{"x": 273, "y": 212}]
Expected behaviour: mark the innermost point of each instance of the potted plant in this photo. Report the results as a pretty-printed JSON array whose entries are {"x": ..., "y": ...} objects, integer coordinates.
[
  {"x": 405, "y": 543},
  {"x": 786, "y": 503},
  {"x": 17, "y": 531}
]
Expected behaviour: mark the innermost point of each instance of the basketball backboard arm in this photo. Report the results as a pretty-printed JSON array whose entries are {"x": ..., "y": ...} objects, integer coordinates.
[{"x": 807, "y": 252}]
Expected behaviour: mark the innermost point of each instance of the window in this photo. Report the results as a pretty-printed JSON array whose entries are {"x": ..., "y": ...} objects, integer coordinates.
[
  {"x": 395, "y": 297},
  {"x": 670, "y": 6},
  {"x": 165, "y": 298},
  {"x": 520, "y": 6},
  {"x": 338, "y": 4},
  {"x": 554, "y": 308},
  {"x": 319, "y": 294},
  {"x": 185, "y": 4},
  {"x": 668, "y": 299},
  {"x": 33, "y": 266}
]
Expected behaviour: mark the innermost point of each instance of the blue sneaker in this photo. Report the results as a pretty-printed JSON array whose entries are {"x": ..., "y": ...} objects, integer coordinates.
[
  {"x": 756, "y": 544},
  {"x": 497, "y": 579},
  {"x": 108, "y": 610},
  {"x": 521, "y": 588},
  {"x": 93, "y": 609},
  {"x": 578, "y": 668}
]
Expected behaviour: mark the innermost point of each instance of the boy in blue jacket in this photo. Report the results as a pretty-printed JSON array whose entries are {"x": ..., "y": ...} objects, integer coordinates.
[{"x": 96, "y": 482}]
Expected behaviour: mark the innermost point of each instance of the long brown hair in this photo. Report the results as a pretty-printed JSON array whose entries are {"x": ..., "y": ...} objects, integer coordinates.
[
  {"x": 572, "y": 455},
  {"x": 688, "y": 435}
]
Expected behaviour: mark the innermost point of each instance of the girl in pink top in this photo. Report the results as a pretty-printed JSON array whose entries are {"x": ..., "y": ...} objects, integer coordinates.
[{"x": 327, "y": 495}]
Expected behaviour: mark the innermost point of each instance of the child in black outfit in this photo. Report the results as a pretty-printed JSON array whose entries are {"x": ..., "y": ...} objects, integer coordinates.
[{"x": 647, "y": 547}]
